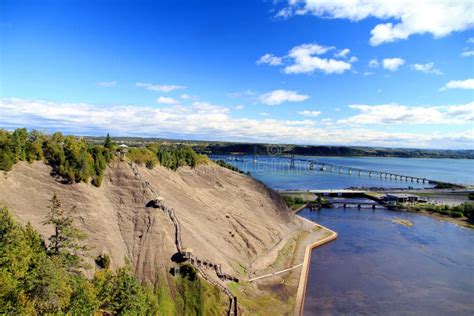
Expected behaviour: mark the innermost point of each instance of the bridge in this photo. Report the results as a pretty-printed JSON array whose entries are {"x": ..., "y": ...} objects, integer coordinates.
[{"x": 317, "y": 165}]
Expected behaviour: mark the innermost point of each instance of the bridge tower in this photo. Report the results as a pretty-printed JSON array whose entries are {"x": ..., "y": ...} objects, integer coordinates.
[
  {"x": 292, "y": 162},
  {"x": 255, "y": 153}
]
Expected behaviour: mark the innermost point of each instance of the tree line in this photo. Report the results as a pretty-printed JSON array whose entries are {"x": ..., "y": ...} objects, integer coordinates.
[
  {"x": 70, "y": 157},
  {"x": 167, "y": 156},
  {"x": 75, "y": 160}
]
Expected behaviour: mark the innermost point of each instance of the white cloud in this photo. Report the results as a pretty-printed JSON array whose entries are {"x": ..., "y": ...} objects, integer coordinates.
[
  {"x": 166, "y": 100},
  {"x": 373, "y": 63},
  {"x": 280, "y": 96},
  {"x": 467, "y": 84},
  {"x": 470, "y": 40},
  {"x": 239, "y": 107},
  {"x": 270, "y": 59},
  {"x": 213, "y": 122},
  {"x": 264, "y": 114},
  {"x": 310, "y": 113},
  {"x": 392, "y": 64},
  {"x": 368, "y": 73},
  {"x": 159, "y": 87},
  {"x": 305, "y": 61},
  {"x": 107, "y": 83},
  {"x": 436, "y": 17},
  {"x": 353, "y": 59},
  {"x": 428, "y": 68},
  {"x": 412, "y": 115},
  {"x": 343, "y": 53},
  {"x": 467, "y": 53},
  {"x": 306, "y": 58},
  {"x": 184, "y": 96}
]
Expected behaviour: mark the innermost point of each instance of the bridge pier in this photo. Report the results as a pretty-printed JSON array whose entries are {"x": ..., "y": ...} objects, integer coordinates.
[
  {"x": 323, "y": 167},
  {"x": 331, "y": 169},
  {"x": 340, "y": 169},
  {"x": 350, "y": 170},
  {"x": 370, "y": 173},
  {"x": 359, "y": 172}
]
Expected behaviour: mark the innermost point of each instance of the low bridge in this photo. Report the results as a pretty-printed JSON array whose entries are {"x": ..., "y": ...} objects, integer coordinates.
[
  {"x": 312, "y": 164},
  {"x": 336, "y": 168}
]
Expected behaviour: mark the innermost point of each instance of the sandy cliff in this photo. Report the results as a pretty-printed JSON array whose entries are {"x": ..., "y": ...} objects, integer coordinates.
[{"x": 225, "y": 216}]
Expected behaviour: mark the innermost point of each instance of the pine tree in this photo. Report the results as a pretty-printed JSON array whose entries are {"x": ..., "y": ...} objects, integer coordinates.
[
  {"x": 108, "y": 142},
  {"x": 65, "y": 241}
]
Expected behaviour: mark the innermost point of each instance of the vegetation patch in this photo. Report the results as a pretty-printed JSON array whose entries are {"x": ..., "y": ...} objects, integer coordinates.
[
  {"x": 459, "y": 211},
  {"x": 403, "y": 222},
  {"x": 227, "y": 165},
  {"x": 75, "y": 160},
  {"x": 45, "y": 278}
]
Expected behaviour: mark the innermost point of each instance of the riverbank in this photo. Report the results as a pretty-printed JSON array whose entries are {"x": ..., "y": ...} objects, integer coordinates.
[{"x": 303, "y": 282}]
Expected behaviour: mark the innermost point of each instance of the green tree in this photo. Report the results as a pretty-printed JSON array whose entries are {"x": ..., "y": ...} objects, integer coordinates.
[
  {"x": 66, "y": 239},
  {"x": 108, "y": 142}
]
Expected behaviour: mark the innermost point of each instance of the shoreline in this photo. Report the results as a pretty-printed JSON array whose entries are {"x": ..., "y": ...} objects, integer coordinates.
[{"x": 303, "y": 282}]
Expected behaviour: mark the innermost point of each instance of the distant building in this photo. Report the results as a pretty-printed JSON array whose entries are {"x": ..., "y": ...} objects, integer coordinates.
[
  {"x": 122, "y": 151},
  {"x": 401, "y": 198}
]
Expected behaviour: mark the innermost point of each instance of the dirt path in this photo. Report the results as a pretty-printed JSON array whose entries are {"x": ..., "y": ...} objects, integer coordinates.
[{"x": 275, "y": 273}]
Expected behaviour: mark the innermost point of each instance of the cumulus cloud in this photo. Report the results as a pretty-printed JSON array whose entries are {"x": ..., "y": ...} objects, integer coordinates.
[
  {"x": 107, "y": 83},
  {"x": 270, "y": 59},
  {"x": 412, "y": 115},
  {"x": 436, "y": 17},
  {"x": 392, "y": 64},
  {"x": 306, "y": 60},
  {"x": 467, "y": 84},
  {"x": 310, "y": 113},
  {"x": 203, "y": 120},
  {"x": 159, "y": 87},
  {"x": 280, "y": 96},
  {"x": 428, "y": 68},
  {"x": 166, "y": 100}
]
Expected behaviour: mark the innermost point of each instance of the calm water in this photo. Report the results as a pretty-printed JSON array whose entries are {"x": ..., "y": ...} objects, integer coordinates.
[
  {"x": 378, "y": 267},
  {"x": 276, "y": 173}
]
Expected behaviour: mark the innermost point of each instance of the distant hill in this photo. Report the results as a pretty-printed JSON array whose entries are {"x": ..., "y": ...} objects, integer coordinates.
[
  {"x": 214, "y": 147},
  {"x": 263, "y": 149}
]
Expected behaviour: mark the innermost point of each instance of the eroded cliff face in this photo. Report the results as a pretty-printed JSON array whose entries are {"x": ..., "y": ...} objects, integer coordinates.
[{"x": 225, "y": 216}]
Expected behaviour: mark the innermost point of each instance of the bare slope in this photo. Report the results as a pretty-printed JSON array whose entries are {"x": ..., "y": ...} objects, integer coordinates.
[{"x": 225, "y": 216}]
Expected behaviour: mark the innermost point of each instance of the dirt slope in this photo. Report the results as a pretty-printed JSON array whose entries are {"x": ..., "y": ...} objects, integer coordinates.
[{"x": 225, "y": 216}]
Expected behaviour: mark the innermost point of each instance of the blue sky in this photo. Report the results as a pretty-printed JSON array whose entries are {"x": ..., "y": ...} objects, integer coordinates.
[{"x": 307, "y": 72}]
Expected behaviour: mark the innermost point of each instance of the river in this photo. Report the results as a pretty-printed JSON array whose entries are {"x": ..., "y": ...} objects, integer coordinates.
[
  {"x": 377, "y": 266},
  {"x": 276, "y": 172}
]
